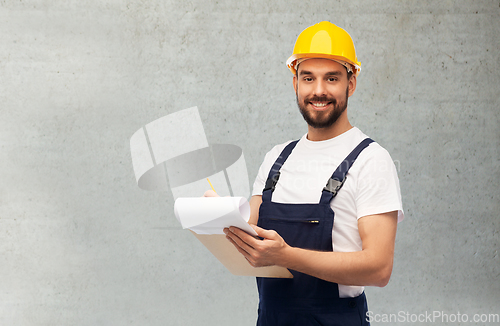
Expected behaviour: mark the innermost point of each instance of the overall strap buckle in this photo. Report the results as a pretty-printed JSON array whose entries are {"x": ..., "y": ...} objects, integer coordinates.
[
  {"x": 333, "y": 186},
  {"x": 334, "y": 183}
]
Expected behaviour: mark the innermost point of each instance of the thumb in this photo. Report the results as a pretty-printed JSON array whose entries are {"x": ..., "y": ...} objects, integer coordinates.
[{"x": 263, "y": 233}]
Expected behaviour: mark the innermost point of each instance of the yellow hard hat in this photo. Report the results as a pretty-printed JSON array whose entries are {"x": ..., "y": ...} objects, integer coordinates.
[{"x": 328, "y": 41}]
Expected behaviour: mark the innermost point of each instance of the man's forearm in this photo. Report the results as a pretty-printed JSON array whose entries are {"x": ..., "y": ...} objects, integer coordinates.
[
  {"x": 370, "y": 266},
  {"x": 348, "y": 268}
]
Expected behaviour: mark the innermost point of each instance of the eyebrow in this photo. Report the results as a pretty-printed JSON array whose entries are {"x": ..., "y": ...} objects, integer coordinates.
[{"x": 330, "y": 73}]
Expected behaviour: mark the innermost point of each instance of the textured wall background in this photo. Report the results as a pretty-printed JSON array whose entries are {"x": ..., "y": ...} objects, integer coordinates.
[{"x": 81, "y": 244}]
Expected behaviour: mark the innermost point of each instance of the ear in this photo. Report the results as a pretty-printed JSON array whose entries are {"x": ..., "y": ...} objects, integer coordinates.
[
  {"x": 295, "y": 83},
  {"x": 352, "y": 85}
]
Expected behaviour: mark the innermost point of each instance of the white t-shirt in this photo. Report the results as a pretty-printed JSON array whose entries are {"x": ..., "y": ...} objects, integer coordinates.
[{"x": 371, "y": 186}]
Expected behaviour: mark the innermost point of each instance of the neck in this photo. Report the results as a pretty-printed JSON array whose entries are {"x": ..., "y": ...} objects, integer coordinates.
[{"x": 339, "y": 127}]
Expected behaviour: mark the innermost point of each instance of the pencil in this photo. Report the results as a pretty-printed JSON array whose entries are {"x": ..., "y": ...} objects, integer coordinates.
[{"x": 211, "y": 185}]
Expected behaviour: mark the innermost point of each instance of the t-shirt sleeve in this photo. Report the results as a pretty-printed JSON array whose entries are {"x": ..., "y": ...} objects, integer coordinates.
[
  {"x": 260, "y": 181},
  {"x": 378, "y": 188}
]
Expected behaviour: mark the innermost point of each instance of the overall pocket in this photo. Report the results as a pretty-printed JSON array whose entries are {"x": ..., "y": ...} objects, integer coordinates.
[{"x": 307, "y": 226}]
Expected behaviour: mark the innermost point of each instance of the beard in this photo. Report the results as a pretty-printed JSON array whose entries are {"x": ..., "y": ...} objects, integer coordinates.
[{"x": 322, "y": 119}]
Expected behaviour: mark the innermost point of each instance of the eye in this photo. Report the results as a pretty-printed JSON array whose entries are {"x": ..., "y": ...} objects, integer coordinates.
[
  {"x": 332, "y": 79},
  {"x": 308, "y": 79}
]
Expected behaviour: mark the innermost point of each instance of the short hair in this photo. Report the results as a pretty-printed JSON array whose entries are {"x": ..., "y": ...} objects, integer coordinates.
[{"x": 349, "y": 73}]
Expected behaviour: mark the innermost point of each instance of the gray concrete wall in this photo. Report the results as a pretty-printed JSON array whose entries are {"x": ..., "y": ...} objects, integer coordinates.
[{"x": 81, "y": 244}]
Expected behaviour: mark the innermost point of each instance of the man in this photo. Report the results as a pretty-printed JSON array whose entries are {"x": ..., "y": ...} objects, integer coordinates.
[{"x": 335, "y": 239}]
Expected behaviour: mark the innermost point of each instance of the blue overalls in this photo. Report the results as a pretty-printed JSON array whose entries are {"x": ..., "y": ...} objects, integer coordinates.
[{"x": 306, "y": 300}]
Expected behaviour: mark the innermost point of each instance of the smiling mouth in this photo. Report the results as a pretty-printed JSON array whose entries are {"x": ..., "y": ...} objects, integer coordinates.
[{"x": 319, "y": 105}]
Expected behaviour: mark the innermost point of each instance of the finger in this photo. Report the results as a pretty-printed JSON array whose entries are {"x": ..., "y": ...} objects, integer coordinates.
[
  {"x": 250, "y": 262},
  {"x": 267, "y": 234},
  {"x": 236, "y": 235},
  {"x": 249, "y": 258},
  {"x": 210, "y": 193},
  {"x": 237, "y": 246},
  {"x": 250, "y": 240}
]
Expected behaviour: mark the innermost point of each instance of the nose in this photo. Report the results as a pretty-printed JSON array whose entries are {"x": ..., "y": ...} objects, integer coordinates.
[{"x": 320, "y": 88}]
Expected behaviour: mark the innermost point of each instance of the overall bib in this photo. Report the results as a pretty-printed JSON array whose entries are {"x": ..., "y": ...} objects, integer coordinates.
[{"x": 306, "y": 300}]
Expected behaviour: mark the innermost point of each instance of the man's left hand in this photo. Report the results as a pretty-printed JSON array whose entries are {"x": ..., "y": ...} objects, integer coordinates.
[{"x": 269, "y": 251}]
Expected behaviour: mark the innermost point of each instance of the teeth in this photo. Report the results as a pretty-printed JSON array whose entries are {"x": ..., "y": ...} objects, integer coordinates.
[{"x": 319, "y": 104}]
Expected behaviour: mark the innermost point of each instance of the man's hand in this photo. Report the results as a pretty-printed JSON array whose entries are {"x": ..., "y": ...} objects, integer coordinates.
[{"x": 269, "y": 251}]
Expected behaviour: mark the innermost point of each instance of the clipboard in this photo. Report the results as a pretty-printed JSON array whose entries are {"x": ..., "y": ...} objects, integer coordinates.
[
  {"x": 234, "y": 261},
  {"x": 206, "y": 217}
]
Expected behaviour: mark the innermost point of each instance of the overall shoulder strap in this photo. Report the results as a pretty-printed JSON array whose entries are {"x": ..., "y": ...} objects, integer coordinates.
[
  {"x": 274, "y": 174},
  {"x": 338, "y": 177}
]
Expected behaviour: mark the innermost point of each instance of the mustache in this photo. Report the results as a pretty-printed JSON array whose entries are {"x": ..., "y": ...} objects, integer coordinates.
[{"x": 320, "y": 99}]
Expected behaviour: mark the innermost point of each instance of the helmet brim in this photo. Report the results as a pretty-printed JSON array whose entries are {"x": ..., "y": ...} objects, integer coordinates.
[{"x": 356, "y": 66}]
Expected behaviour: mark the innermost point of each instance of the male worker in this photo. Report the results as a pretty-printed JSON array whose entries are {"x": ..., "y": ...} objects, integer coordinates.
[{"x": 335, "y": 239}]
